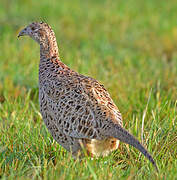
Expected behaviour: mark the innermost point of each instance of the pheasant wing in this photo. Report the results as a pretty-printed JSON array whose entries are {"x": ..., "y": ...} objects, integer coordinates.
[{"x": 80, "y": 107}]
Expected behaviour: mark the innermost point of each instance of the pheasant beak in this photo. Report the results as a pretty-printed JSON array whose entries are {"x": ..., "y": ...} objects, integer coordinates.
[{"x": 22, "y": 33}]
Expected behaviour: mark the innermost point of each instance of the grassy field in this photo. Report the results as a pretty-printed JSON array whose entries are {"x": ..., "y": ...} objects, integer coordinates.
[{"x": 129, "y": 46}]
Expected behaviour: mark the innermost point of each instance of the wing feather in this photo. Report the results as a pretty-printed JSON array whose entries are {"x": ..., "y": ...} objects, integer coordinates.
[{"x": 80, "y": 107}]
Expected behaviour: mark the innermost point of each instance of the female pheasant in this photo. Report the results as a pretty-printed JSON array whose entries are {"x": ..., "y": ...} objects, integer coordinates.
[{"x": 77, "y": 110}]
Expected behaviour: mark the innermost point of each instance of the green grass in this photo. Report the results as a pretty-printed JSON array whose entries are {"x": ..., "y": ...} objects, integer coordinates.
[{"x": 129, "y": 46}]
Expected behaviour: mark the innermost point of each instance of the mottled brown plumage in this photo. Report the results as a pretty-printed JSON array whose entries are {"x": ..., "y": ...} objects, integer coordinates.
[{"x": 77, "y": 110}]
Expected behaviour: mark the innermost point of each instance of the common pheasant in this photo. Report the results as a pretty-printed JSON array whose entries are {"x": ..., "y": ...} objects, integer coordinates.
[{"x": 77, "y": 110}]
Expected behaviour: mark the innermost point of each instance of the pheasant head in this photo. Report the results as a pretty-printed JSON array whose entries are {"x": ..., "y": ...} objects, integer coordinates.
[{"x": 43, "y": 34}]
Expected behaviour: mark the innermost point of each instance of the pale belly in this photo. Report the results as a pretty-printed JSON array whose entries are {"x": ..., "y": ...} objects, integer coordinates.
[{"x": 97, "y": 148}]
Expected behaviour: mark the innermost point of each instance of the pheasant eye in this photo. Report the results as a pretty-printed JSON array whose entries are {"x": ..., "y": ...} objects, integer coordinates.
[{"x": 32, "y": 28}]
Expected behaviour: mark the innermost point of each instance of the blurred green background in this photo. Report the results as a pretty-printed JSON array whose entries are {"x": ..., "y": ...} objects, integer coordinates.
[{"x": 129, "y": 46}]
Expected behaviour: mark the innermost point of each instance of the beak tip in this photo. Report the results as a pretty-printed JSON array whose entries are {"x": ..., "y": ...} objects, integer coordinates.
[{"x": 20, "y": 34}]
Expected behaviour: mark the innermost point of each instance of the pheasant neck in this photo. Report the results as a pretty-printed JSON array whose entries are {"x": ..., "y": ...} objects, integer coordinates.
[{"x": 48, "y": 47}]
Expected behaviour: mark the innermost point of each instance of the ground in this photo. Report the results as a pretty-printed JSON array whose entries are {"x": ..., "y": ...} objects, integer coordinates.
[{"x": 129, "y": 46}]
